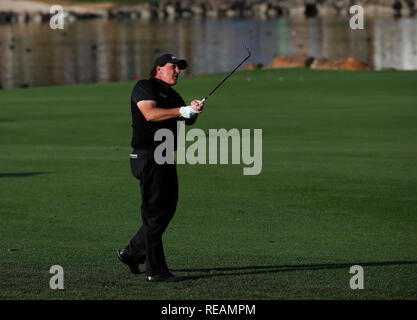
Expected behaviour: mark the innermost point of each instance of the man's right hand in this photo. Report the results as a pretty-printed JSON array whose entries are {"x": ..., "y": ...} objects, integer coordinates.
[{"x": 189, "y": 112}]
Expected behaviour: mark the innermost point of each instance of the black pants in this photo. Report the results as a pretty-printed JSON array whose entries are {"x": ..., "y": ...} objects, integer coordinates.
[{"x": 159, "y": 188}]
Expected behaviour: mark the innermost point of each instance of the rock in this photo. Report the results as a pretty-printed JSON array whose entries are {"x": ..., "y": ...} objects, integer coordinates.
[
  {"x": 272, "y": 12},
  {"x": 186, "y": 13},
  {"x": 28, "y": 11},
  {"x": 198, "y": 9},
  {"x": 20, "y": 17},
  {"x": 297, "y": 11},
  {"x": 262, "y": 8},
  {"x": 147, "y": 12},
  {"x": 134, "y": 15},
  {"x": 160, "y": 14},
  {"x": 329, "y": 11},
  {"x": 289, "y": 62},
  {"x": 253, "y": 66},
  {"x": 324, "y": 64},
  {"x": 212, "y": 13},
  {"x": 351, "y": 64},
  {"x": 171, "y": 10},
  {"x": 37, "y": 17}
]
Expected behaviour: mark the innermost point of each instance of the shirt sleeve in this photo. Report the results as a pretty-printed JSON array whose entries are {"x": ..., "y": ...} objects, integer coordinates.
[{"x": 143, "y": 91}]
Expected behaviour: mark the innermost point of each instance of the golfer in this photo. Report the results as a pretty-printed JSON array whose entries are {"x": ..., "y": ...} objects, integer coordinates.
[{"x": 155, "y": 105}]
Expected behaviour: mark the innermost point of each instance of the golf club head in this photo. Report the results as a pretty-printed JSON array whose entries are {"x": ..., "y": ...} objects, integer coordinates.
[{"x": 247, "y": 49}]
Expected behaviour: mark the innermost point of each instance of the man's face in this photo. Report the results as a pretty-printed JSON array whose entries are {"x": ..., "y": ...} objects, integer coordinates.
[{"x": 169, "y": 73}]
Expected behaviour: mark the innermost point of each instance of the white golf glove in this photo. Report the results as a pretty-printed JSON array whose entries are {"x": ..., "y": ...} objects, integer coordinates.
[{"x": 188, "y": 112}]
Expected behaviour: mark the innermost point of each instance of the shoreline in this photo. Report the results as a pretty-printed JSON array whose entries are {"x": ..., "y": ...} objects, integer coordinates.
[
  {"x": 25, "y": 86},
  {"x": 14, "y": 11}
]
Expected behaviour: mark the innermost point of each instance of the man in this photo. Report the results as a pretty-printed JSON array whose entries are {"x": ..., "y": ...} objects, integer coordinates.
[{"x": 155, "y": 105}]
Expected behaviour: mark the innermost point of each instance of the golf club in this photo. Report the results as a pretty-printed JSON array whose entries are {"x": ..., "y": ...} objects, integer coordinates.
[{"x": 230, "y": 73}]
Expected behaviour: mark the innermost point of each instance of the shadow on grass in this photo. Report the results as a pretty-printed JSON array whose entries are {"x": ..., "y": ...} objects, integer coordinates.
[
  {"x": 21, "y": 174},
  {"x": 238, "y": 271}
]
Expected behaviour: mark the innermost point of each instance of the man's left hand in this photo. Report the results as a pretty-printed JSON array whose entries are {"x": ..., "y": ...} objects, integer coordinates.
[{"x": 197, "y": 105}]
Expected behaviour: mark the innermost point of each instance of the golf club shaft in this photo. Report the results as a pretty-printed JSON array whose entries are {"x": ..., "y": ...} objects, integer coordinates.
[{"x": 230, "y": 73}]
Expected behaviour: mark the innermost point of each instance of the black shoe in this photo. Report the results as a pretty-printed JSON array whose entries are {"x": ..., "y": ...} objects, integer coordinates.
[
  {"x": 166, "y": 277},
  {"x": 123, "y": 257}
]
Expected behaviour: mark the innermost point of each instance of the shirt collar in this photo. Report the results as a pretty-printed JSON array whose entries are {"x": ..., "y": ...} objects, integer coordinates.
[{"x": 160, "y": 83}]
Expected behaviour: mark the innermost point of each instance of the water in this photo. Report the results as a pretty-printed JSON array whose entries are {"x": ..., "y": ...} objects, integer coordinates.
[{"x": 111, "y": 50}]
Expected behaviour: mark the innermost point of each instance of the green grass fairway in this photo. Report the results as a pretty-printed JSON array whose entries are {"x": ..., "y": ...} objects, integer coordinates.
[{"x": 338, "y": 188}]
